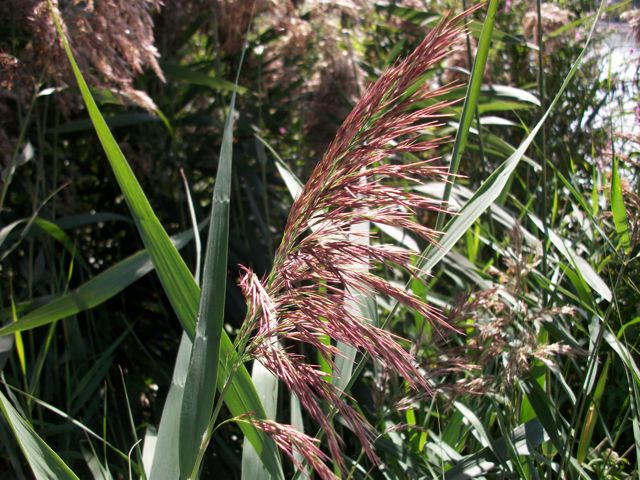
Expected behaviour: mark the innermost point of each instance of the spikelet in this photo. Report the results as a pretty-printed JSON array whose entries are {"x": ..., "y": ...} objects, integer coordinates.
[
  {"x": 318, "y": 264},
  {"x": 289, "y": 440}
]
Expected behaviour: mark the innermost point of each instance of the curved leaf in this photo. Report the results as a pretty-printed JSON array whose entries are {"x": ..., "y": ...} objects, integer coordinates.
[
  {"x": 44, "y": 462},
  {"x": 178, "y": 282}
]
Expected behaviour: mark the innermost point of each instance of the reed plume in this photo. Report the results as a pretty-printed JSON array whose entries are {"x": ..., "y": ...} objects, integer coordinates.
[
  {"x": 319, "y": 264},
  {"x": 290, "y": 440},
  {"x": 553, "y": 17},
  {"x": 113, "y": 40}
]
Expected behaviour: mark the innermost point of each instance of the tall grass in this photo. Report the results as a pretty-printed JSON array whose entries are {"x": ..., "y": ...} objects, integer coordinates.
[{"x": 422, "y": 321}]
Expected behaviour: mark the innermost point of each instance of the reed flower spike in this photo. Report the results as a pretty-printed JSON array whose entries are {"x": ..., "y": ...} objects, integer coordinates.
[
  {"x": 319, "y": 264},
  {"x": 290, "y": 441}
]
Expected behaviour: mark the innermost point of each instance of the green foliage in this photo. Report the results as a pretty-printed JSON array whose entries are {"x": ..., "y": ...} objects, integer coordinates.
[{"x": 537, "y": 273}]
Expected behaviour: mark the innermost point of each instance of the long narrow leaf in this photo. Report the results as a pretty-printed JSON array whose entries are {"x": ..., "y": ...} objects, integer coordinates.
[
  {"x": 298, "y": 423},
  {"x": 176, "y": 279},
  {"x": 524, "y": 438},
  {"x": 94, "y": 292},
  {"x": 362, "y": 305},
  {"x": 44, "y": 462},
  {"x": 618, "y": 209},
  {"x": 200, "y": 387},
  {"x": 589, "y": 424},
  {"x": 491, "y": 189},
  {"x": 166, "y": 462},
  {"x": 265, "y": 382},
  {"x": 625, "y": 355},
  {"x": 471, "y": 99},
  {"x": 267, "y": 387},
  {"x": 153, "y": 235},
  {"x": 587, "y": 272}
]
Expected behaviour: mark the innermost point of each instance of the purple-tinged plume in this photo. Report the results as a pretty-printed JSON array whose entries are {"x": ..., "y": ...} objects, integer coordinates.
[
  {"x": 290, "y": 440},
  {"x": 319, "y": 263}
]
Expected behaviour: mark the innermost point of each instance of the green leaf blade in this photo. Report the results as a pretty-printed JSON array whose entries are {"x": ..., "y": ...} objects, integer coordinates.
[
  {"x": 176, "y": 279},
  {"x": 493, "y": 186},
  {"x": 44, "y": 462},
  {"x": 200, "y": 386},
  {"x": 471, "y": 100},
  {"x": 618, "y": 208}
]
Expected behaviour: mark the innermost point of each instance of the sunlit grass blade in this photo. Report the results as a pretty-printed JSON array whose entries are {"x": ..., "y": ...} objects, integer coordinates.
[
  {"x": 512, "y": 453},
  {"x": 267, "y": 387},
  {"x": 589, "y": 424},
  {"x": 524, "y": 438},
  {"x": 148, "y": 448},
  {"x": 94, "y": 292},
  {"x": 165, "y": 458},
  {"x": 189, "y": 74},
  {"x": 474, "y": 422},
  {"x": 545, "y": 411},
  {"x": 202, "y": 374},
  {"x": 59, "y": 235},
  {"x": 6, "y": 348},
  {"x": 194, "y": 224},
  {"x": 47, "y": 227},
  {"x": 481, "y": 431},
  {"x": 470, "y": 100},
  {"x": 18, "y": 341},
  {"x": 44, "y": 462},
  {"x": 581, "y": 266},
  {"x": 136, "y": 443},
  {"x": 294, "y": 185},
  {"x": 618, "y": 209},
  {"x": 166, "y": 463},
  {"x": 71, "y": 420},
  {"x": 168, "y": 263},
  {"x": 590, "y": 210},
  {"x": 493, "y": 186},
  {"x": 98, "y": 471},
  {"x": 177, "y": 281},
  {"x": 362, "y": 305},
  {"x": 625, "y": 356},
  {"x": 297, "y": 422},
  {"x": 265, "y": 382}
]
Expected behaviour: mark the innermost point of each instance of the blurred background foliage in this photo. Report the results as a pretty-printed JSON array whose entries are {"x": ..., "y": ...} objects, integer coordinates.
[{"x": 163, "y": 75}]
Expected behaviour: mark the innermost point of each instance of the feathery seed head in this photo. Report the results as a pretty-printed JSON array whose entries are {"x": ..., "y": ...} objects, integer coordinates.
[
  {"x": 113, "y": 42},
  {"x": 320, "y": 264},
  {"x": 291, "y": 441},
  {"x": 552, "y": 18}
]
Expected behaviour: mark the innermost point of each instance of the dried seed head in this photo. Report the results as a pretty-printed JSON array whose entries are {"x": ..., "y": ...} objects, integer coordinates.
[
  {"x": 553, "y": 17},
  {"x": 336, "y": 85},
  {"x": 632, "y": 17},
  {"x": 112, "y": 40}
]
